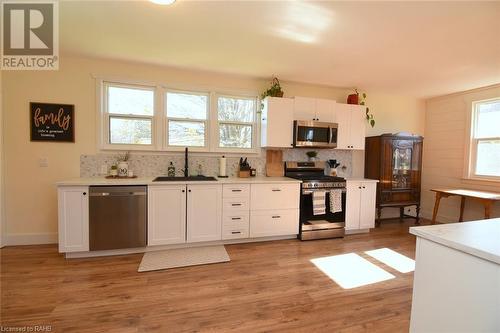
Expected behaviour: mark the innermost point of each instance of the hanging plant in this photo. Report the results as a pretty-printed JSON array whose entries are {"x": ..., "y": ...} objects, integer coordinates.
[{"x": 369, "y": 116}]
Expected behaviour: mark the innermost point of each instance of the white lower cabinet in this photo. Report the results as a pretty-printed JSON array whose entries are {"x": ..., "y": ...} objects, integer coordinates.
[
  {"x": 204, "y": 213},
  {"x": 360, "y": 205},
  {"x": 274, "y": 222},
  {"x": 236, "y": 211},
  {"x": 73, "y": 206},
  {"x": 274, "y": 209},
  {"x": 274, "y": 196},
  {"x": 166, "y": 214}
]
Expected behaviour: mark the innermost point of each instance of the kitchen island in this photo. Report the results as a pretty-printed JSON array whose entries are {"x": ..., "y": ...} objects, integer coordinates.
[{"x": 457, "y": 278}]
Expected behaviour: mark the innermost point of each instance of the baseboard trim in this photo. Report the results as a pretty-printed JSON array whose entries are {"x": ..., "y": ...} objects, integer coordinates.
[{"x": 30, "y": 239}]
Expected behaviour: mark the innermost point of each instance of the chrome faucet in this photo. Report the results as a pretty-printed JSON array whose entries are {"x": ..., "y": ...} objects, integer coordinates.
[{"x": 186, "y": 170}]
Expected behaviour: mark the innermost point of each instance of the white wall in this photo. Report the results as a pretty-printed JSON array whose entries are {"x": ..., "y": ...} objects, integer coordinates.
[
  {"x": 31, "y": 207},
  {"x": 446, "y": 125}
]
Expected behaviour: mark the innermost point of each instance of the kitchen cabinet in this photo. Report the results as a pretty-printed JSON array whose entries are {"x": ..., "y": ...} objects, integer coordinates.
[
  {"x": 73, "y": 212},
  {"x": 204, "y": 213},
  {"x": 274, "y": 196},
  {"x": 235, "y": 211},
  {"x": 166, "y": 214},
  {"x": 360, "y": 204},
  {"x": 318, "y": 109},
  {"x": 351, "y": 121},
  {"x": 274, "y": 209},
  {"x": 277, "y": 122},
  {"x": 276, "y": 222}
]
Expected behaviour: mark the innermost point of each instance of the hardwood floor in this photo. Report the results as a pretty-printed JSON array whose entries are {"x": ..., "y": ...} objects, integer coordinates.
[{"x": 268, "y": 286}]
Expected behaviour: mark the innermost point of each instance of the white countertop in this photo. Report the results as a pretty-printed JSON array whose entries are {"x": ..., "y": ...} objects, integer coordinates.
[
  {"x": 478, "y": 238},
  {"x": 366, "y": 180},
  {"x": 149, "y": 181}
]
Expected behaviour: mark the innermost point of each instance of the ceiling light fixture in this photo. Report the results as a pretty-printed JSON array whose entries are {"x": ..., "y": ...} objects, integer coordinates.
[{"x": 163, "y": 2}]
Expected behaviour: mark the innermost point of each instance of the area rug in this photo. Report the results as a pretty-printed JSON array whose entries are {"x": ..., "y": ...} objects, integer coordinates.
[{"x": 167, "y": 259}]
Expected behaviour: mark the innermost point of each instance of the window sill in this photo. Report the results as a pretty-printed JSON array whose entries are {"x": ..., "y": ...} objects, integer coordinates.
[
  {"x": 481, "y": 181},
  {"x": 136, "y": 151}
]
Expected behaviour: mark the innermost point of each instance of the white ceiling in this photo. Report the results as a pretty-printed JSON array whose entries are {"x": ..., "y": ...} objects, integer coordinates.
[{"x": 415, "y": 48}]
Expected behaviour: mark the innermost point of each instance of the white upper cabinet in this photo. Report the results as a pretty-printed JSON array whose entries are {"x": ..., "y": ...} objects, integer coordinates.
[
  {"x": 318, "y": 109},
  {"x": 325, "y": 110},
  {"x": 204, "y": 213},
  {"x": 304, "y": 108},
  {"x": 166, "y": 214},
  {"x": 73, "y": 204},
  {"x": 351, "y": 126},
  {"x": 277, "y": 122}
]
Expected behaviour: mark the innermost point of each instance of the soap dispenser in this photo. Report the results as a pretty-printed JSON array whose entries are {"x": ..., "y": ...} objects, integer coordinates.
[{"x": 171, "y": 170}]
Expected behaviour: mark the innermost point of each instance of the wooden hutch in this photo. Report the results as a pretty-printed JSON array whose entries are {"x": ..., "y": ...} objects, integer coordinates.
[{"x": 395, "y": 160}]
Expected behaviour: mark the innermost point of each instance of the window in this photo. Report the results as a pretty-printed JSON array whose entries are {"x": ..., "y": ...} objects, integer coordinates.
[
  {"x": 186, "y": 119},
  {"x": 236, "y": 122},
  {"x": 485, "y": 140},
  {"x": 152, "y": 117},
  {"x": 129, "y": 114}
]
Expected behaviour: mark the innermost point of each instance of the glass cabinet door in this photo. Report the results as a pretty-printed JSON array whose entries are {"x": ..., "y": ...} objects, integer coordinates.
[{"x": 402, "y": 151}]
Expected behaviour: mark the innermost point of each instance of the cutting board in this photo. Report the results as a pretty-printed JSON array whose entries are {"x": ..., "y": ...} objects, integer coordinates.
[{"x": 274, "y": 163}]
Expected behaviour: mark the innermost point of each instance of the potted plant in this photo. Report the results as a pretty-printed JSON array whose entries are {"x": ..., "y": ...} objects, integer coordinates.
[
  {"x": 273, "y": 91},
  {"x": 354, "y": 99},
  {"x": 123, "y": 164},
  {"x": 311, "y": 155}
]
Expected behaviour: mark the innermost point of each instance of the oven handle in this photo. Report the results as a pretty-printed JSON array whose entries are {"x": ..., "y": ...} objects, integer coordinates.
[{"x": 310, "y": 191}]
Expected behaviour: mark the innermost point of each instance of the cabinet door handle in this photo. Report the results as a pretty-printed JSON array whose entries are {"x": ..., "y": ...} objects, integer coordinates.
[
  {"x": 235, "y": 218},
  {"x": 364, "y": 187},
  {"x": 276, "y": 190},
  {"x": 235, "y": 232},
  {"x": 236, "y": 204},
  {"x": 235, "y": 190},
  {"x": 84, "y": 193},
  {"x": 276, "y": 216},
  {"x": 183, "y": 191},
  {"x": 189, "y": 190},
  {"x": 359, "y": 187}
]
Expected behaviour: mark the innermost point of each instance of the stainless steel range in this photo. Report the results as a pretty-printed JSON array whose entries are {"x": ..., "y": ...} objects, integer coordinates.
[{"x": 314, "y": 225}]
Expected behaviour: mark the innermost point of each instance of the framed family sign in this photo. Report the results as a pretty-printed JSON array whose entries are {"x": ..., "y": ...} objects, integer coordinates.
[{"x": 52, "y": 122}]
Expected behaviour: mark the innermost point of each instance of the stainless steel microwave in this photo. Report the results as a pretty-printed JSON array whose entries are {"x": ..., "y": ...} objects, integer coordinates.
[{"x": 314, "y": 134}]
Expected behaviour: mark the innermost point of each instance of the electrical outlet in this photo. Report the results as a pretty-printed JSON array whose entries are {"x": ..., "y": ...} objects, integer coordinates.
[{"x": 43, "y": 162}]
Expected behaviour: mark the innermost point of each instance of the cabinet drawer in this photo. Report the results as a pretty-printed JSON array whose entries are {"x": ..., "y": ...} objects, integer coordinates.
[
  {"x": 234, "y": 233},
  {"x": 236, "y": 219},
  {"x": 274, "y": 196},
  {"x": 236, "y": 191},
  {"x": 274, "y": 223},
  {"x": 233, "y": 204}
]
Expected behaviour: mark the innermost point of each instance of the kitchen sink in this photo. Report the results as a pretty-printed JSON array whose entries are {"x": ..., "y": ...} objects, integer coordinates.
[{"x": 180, "y": 179}]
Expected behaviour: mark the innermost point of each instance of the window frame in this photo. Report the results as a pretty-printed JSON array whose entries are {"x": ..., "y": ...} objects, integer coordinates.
[
  {"x": 473, "y": 143},
  {"x": 254, "y": 124},
  {"x": 165, "y": 144},
  {"x": 159, "y": 131},
  {"x": 105, "y": 118}
]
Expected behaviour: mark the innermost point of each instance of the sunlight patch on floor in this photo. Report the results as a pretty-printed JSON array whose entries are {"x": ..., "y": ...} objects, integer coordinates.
[
  {"x": 351, "y": 270},
  {"x": 393, "y": 259}
]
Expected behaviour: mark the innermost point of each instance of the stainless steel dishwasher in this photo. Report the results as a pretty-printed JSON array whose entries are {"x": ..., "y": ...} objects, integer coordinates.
[{"x": 117, "y": 217}]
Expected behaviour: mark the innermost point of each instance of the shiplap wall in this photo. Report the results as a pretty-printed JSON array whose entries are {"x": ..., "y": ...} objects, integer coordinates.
[{"x": 446, "y": 127}]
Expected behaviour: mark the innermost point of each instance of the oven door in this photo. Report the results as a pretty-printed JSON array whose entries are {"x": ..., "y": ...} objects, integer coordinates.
[
  {"x": 314, "y": 134},
  {"x": 306, "y": 209}
]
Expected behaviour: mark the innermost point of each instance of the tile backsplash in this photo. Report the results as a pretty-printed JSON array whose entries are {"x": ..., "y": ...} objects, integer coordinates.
[{"x": 146, "y": 165}]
